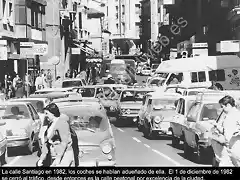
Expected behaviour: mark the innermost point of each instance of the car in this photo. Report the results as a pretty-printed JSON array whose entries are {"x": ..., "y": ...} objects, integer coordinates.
[
  {"x": 176, "y": 124},
  {"x": 201, "y": 117},
  {"x": 51, "y": 90},
  {"x": 3, "y": 144},
  {"x": 106, "y": 95},
  {"x": 185, "y": 89},
  {"x": 157, "y": 113},
  {"x": 53, "y": 95},
  {"x": 95, "y": 137},
  {"x": 130, "y": 103},
  {"x": 73, "y": 82},
  {"x": 22, "y": 125}
]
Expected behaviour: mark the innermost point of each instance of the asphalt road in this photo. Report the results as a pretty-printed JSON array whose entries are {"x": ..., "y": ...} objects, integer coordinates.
[{"x": 132, "y": 150}]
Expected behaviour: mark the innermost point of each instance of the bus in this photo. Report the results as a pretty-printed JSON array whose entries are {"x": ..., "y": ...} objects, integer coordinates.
[{"x": 123, "y": 70}]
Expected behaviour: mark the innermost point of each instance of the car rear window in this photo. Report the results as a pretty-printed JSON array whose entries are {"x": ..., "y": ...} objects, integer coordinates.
[
  {"x": 66, "y": 84},
  {"x": 14, "y": 112},
  {"x": 38, "y": 105}
]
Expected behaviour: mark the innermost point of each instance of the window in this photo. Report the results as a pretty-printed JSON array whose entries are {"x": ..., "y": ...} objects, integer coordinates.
[
  {"x": 10, "y": 9},
  {"x": 123, "y": 9},
  {"x": 117, "y": 9},
  {"x": 123, "y": 27},
  {"x": 37, "y": 12},
  {"x": 137, "y": 29},
  {"x": 217, "y": 75},
  {"x": 198, "y": 76},
  {"x": 194, "y": 111},
  {"x": 117, "y": 15},
  {"x": 137, "y": 8},
  {"x": 211, "y": 112}
]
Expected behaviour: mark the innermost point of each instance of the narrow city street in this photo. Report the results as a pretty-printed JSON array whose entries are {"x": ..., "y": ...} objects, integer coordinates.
[{"x": 132, "y": 150}]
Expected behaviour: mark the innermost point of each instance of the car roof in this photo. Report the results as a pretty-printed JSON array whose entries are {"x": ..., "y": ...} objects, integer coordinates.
[
  {"x": 26, "y": 99},
  {"x": 139, "y": 89},
  {"x": 186, "y": 86},
  {"x": 73, "y": 79},
  {"x": 54, "y": 89},
  {"x": 15, "y": 103}
]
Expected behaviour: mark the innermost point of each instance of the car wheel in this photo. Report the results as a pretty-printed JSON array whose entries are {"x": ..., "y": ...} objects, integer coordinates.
[
  {"x": 175, "y": 140},
  {"x": 140, "y": 127},
  {"x": 30, "y": 146},
  {"x": 200, "y": 152},
  {"x": 3, "y": 158},
  {"x": 188, "y": 151}
]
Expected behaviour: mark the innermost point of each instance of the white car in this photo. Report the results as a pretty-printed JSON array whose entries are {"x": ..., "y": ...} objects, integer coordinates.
[
  {"x": 146, "y": 71},
  {"x": 50, "y": 90}
]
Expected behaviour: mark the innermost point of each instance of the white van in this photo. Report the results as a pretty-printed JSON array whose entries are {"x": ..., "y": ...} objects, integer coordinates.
[{"x": 224, "y": 70}]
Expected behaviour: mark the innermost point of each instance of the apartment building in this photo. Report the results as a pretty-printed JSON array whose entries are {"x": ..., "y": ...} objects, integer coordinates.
[
  {"x": 8, "y": 47},
  {"x": 124, "y": 18}
]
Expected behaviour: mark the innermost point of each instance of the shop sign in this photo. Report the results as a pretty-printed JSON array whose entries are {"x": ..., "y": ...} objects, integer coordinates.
[
  {"x": 3, "y": 53},
  {"x": 200, "y": 52},
  {"x": 228, "y": 46},
  {"x": 40, "y": 49},
  {"x": 26, "y": 53},
  {"x": 199, "y": 45}
]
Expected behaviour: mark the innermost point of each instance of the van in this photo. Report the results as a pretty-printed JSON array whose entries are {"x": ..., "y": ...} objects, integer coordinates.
[{"x": 203, "y": 71}]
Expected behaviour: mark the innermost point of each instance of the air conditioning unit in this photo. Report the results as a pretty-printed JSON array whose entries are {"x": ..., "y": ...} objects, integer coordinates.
[{"x": 5, "y": 20}]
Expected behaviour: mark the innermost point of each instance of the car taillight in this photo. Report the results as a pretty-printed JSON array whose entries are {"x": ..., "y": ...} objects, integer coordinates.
[{"x": 106, "y": 148}]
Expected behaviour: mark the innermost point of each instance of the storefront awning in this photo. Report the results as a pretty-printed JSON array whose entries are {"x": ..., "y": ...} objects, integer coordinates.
[{"x": 93, "y": 13}]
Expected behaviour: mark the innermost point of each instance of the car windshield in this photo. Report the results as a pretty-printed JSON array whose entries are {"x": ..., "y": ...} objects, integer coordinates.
[
  {"x": 38, "y": 105},
  {"x": 193, "y": 93},
  {"x": 163, "y": 75},
  {"x": 155, "y": 66},
  {"x": 87, "y": 92},
  {"x": 86, "y": 119},
  {"x": 160, "y": 103},
  {"x": 157, "y": 82},
  {"x": 211, "y": 111},
  {"x": 132, "y": 95},
  {"x": 66, "y": 84},
  {"x": 14, "y": 112}
]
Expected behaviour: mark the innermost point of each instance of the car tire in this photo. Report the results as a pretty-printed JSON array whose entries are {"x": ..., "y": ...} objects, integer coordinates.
[
  {"x": 200, "y": 154},
  {"x": 30, "y": 146},
  {"x": 175, "y": 140},
  {"x": 188, "y": 151},
  {"x": 3, "y": 158}
]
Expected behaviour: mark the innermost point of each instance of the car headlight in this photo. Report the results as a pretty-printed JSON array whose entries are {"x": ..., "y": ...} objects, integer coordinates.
[
  {"x": 112, "y": 108},
  {"x": 157, "y": 119},
  {"x": 106, "y": 148},
  {"x": 21, "y": 132}
]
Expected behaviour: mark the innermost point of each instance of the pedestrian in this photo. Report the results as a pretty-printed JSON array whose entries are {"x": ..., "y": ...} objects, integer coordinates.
[
  {"x": 49, "y": 79},
  {"x": 20, "y": 89},
  {"x": 39, "y": 82},
  {"x": 15, "y": 80},
  {"x": 228, "y": 127},
  {"x": 57, "y": 83},
  {"x": 57, "y": 149}
]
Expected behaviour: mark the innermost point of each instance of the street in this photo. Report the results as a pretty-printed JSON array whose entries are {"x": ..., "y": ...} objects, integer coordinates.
[{"x": 132, "y": 150}]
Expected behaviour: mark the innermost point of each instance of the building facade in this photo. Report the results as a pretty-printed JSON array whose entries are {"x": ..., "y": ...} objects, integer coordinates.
[{"x": 8, "y": 44}]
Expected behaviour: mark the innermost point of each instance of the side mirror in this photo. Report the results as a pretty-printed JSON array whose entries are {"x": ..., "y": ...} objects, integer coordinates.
[{"x": 2, "y": 123}]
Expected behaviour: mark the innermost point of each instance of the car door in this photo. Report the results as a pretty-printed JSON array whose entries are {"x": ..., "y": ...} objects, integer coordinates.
[
  {"x": 176, "y": 127},
  {"x": 190, "y": 123},
  {"x": 35, "y": 123},
  {"x": 147, "y": 115},
  {"x": 143, "y": 109}
]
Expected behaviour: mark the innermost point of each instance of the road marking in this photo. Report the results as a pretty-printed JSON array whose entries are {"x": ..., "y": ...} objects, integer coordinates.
[
  {"x": 146, "y": 145},
  {"x": 166, "y": 157},
  {"x": 120, "y": 129},
  {"x": 14, "y": 160},
  {"x": 136, "y": 139}
]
